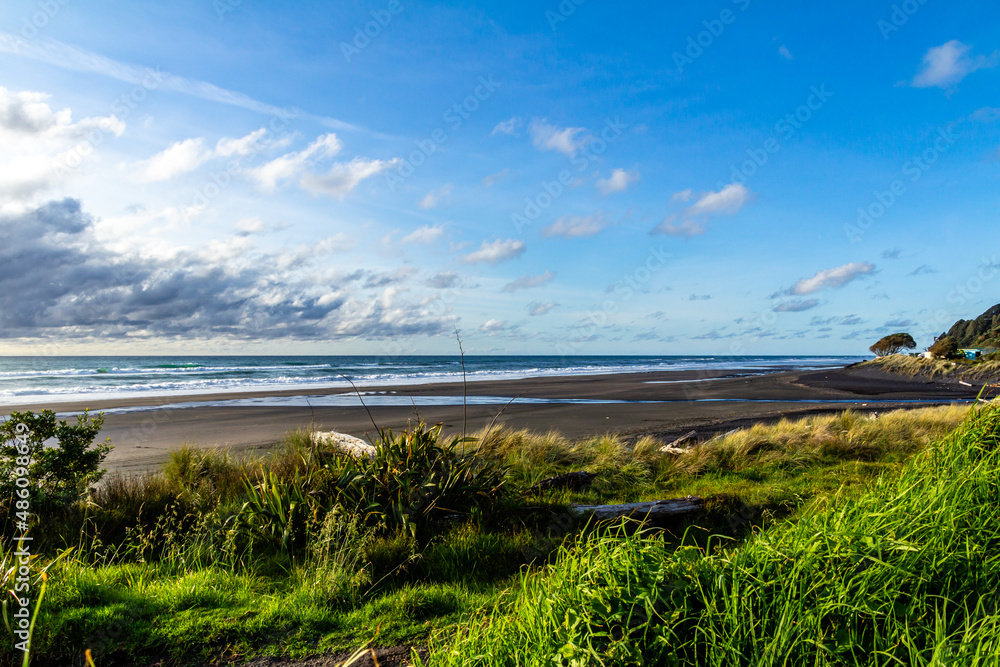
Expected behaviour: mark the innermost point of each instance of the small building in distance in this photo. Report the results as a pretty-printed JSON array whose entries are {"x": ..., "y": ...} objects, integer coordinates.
[{"x": 972, "y": 352}]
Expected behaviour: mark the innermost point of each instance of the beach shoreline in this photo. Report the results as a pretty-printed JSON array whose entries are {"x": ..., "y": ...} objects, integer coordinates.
[{"x": 663, "y": 404}]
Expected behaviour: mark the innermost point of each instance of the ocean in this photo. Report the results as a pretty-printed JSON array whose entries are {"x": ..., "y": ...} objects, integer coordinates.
[{"x": 64, "y": 379}]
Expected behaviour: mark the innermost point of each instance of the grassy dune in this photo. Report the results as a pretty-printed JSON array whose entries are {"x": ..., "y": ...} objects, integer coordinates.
[
  {"x": 970, "y": 371},
  {"x": 903, "y": 573},
  {"x": 218, "y": 557}
]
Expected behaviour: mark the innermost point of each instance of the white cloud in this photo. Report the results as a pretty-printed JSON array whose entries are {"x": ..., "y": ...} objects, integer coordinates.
[
  {"x": 26, "y": 115},
  {"x": 496, "y": 251},
  {"x": 180, "y": 158},
  {"x": 187, "y": 155},
  {"x": 343, "y": 177},
  {"x": 507, "y": 127},
  {"x": 434, "y": 197},
  {"x": 685, "y": 229},
  {"x": 682, "y": 196},
  {"x": 249, "y": 226},
  {"x": 727, "y": 201},
  {"x": 227, "y": 147},
  {"x": 536, "y": 309},
  {"x": 617, "y": 182},
  {"x": 785, "y": 53},
  {"x": 568, "y": 227},
  {"x": 425, "y": 234},
  {"x": 831, "y": 278},
  {"x": 566, "y": 140},
  {"x": 291, "y": 165},
  {"x": 527, "y": 282},
  {"x": 946, "y": 65},
  {"x": 493, "y": 325},
  {"x": 42, "y": 147}
]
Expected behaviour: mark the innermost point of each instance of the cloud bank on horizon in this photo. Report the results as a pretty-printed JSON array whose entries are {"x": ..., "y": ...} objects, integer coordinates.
[{"x": 668, "y": 188}]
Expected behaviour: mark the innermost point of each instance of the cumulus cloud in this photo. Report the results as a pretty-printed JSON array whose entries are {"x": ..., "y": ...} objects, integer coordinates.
[
  {"x": 343, "y": 177},
  {"x": 729, "y": 200},
  {"x": 43, "y": 147},
  {"x": 692, "y": 220},
  {"x": 829, "y": 279},
  {"x": 185, "y": 156},
  {"x": 189, "y": 154},
  {"x": 944, "y": 66},
  {"x": 796, "y": 305},
  {"x": 527, "y": 282},
  {"x": 245, "y": 145},
  {"x": 535, "y": 309},
  {"x": 290, "y": 165},
  {"x": 569, "y": 227},
  {"x": 617, "y": 182},
  {"x": 566, "y": 140},
  {"x": 434, "y": 197},
  {"x": 26, "y": 113},
  {"x": 493, "y": 252},
  {"x": 507, "y": 127},
  {"x": 59, "y": 280},
  {"x": 425, "y": 234},
  {"x": 180, "y": 158}
]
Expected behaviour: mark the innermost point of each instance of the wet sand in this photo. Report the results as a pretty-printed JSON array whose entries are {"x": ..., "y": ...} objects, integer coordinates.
[{"x": 679, "y": 401}]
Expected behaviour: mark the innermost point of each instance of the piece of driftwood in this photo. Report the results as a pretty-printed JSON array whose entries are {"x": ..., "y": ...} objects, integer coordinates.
[
  {"x": 344, "y": 443},
  {"x": 569, "y": 480},
  {"x": 655, "y": 511},
  {"x": 676, "y": 447}
]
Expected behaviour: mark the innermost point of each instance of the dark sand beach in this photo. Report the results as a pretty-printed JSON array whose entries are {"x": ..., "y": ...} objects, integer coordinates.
[{"x": 662, "y": 404}]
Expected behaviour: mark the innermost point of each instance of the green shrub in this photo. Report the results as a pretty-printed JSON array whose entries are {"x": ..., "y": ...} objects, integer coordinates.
[
  {"x": 278, "y": 511},
  {"x": 414, "y": 477},
  {"x": 58, "y": 475}
]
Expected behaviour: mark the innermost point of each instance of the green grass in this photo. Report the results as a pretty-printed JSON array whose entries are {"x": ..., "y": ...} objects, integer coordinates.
[
  {"x": 199, "y": 570},
  {"x": 903, "y": 573}
]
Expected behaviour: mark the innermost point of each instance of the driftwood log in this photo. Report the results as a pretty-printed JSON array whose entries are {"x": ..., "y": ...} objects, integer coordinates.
[
  {"x": 681, "y": 444},
  {"x": 344, "y": 444},
  {"x": 655, "y": 511},
  {"x": 570, "y": 480}
]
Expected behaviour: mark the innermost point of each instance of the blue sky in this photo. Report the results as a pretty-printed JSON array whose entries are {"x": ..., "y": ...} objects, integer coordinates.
[{"x": 728, "y": 178}]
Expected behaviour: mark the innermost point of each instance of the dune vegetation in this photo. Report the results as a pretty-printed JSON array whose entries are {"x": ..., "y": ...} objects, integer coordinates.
[
  {"x": 306, "y": 550},
  {"x": 986, "y": 371}
]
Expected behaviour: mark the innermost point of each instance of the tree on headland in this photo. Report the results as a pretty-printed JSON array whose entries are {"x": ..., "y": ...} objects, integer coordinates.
[
  {"x": 945, "y": 347},
  {"x": 892, "y": 344}
]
